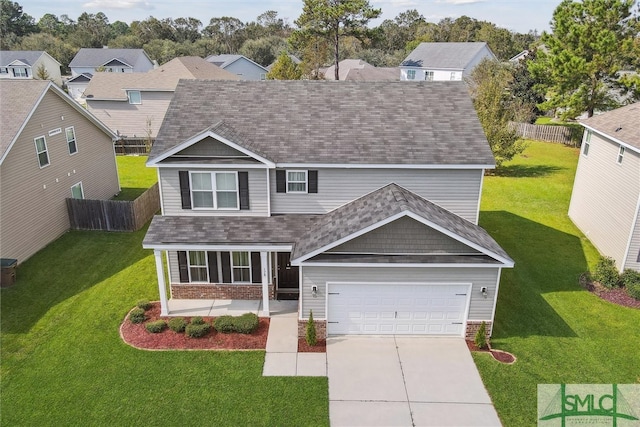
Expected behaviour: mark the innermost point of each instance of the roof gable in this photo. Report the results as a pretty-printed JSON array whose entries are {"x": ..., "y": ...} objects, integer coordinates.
[
  {"x": 117, "y": 63},
  {"x": 210, "y": 147},
  {"x": 382, "y": 207},
  {"x": 620, "y": 125},
  {"x": 445, "y": 55},
  {"x": 404, "y": 123}
]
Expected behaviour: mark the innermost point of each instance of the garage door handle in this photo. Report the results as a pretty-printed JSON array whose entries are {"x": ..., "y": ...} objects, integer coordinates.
[
  {"x": 333, "y": 322},
  {"x": 334, "y": 293},
  {"x": 461, "y": 294},
  {"x": 456, "y": 323}
]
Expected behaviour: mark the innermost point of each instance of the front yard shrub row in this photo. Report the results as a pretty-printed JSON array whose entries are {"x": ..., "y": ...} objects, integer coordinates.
[
  {"x": 156, "y": 327},
  {"x": 606, "y": 272},
  {"x": 177, "y": 324},
  {"x": 631, "y": 281},
  {"x": 244, "y": 324},
  {"x": 197, "y": 330},
  {"x": 137, "y": 315},
  {"x": 143, "y": 304}
]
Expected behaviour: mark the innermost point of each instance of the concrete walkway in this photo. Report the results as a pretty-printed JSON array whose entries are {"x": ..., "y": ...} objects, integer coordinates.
[
  {"x": 282, "y": 358},
  {"x": 405, "y": 381}
]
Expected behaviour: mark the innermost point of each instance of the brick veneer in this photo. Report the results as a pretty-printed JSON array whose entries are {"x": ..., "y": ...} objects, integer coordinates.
[
  {"x": 321, "y": 329},
  {"x": 218, "y": 291},
  {"x": 473, "y": 326}
]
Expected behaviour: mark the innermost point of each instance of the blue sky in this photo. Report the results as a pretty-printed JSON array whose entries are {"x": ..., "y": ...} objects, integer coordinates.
[{"x": 516, "y": 15}]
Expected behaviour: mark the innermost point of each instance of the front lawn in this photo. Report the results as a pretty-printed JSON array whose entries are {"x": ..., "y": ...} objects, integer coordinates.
[{"x": 559, "y": 332}]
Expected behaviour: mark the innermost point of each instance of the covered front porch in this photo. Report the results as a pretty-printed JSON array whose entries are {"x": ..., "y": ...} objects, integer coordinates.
[{"x": 222, "y": 307}]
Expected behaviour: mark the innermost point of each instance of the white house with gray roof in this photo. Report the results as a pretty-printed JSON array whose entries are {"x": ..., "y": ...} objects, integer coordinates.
[
  {"x": 605, "y": 203},
  {"x": 25, "y": 64},
  {"x": 444, "y": 61},
  {"x": 365, "y": 212},
  {"x": 243, "y": 67}
]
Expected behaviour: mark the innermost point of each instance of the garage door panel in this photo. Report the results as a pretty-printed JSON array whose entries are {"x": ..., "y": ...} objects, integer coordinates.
[{"x": 397, "y": 309}]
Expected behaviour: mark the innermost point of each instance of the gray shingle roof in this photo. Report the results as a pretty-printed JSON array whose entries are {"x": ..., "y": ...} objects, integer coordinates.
[
  {"x": 448, "y": 55},
  {"x": 374, "y": 74},
  {"x": 29, "y": 57},
  {"x": 622, "y": 124},
  {"x": 95, "y": 57},
  {"x": 226, "y": 59},
  {"x": 334, "y": 122},
  {"x": 344, "y": 67},
  {"x": 380, "y": 205}
]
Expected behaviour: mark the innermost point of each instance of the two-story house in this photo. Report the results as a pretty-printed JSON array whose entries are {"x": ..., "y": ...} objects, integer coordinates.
[
  {"x": 51, "y": 149},
  {"x": 29, "y": 64},
  {"x": 367, "y": 210},
  {"x": 444, "y": 61},
  {"x": 605, "y": 203}
]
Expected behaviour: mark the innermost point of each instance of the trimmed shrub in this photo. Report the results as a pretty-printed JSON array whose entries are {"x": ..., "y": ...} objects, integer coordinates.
[
  {"x": 633, "y": 291},
  {"x": 143, "y": 304},
  {"x": 177, "y": 324},
  {"x": 247, "y": 323},
  {"x": 631, "y": 281},
  {"x": 224, "y": 324},
  {"x": 157, "y": 326},
  {"x": 137, "y": 315},
  {"x": 606, "y": 272},
  {"x": 481, "y": 336},
  {"x": 197, "y": 330},
  {"x": 197, "y": 320},
  {"x": 310, "y": 337}
]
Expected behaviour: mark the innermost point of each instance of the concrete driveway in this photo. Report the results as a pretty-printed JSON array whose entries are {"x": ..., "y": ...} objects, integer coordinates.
[{"x": 405, "y": 381}]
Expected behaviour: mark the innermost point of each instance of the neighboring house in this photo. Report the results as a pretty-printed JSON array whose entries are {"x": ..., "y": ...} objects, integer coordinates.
[
  {"x": 605, "y": 202},
  {"x": 25, "y": 64},
  {"x": 443, "y": 61},
  {"x": 374, "y": 74},
  {"x": 239, "y": 65},
  {"x": 51, "y": 149},
  {"x": 134, "y": 104},
  {"x": 88, "y": 61},
  {"x": 519, "y": 57},
  {"x": 367, "y": 211},
  {"x": 344, "y": 67}
]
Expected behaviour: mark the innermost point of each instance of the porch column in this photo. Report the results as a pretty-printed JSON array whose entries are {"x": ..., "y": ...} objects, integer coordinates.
[
  {"x": 164, "y": 309},
  {"x": 264, "y": 265}
]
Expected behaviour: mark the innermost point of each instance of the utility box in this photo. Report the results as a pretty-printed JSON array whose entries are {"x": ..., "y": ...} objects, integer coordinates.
[{"x": 8, "y": 272}]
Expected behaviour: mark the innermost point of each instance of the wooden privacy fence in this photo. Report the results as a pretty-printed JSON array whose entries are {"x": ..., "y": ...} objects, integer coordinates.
[
  {"x": 132, "y": 146},
  {"x": 114, "y": 215},
  {"x": 550, "y": 133}
]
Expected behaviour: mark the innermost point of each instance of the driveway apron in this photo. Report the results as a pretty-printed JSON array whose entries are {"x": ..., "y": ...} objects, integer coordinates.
[{"x": 405, "y": 381}]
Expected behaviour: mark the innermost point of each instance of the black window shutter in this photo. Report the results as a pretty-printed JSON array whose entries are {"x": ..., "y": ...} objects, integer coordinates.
[
  {"x": 213, "y": 267},
  {"x": 225, "y": 259},
  {"x": 281, "y": 181},
  {"x": 185, "y": 191},
  {"x": 313, "y": 181},
  {"x": 182, "y": 267},
  {"x": 256, "y": 268},
  {"x": 243, "y": 184}
]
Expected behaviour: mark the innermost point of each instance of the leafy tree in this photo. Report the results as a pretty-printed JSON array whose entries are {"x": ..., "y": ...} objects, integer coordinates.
[
  {"x": 62, "y": 51},
  {"x": 264, "y": 50},
  {"x": 42, "y": 73},
  {"x": 285, "y": 69},
  {"x": 50, "y": 23},
  {"x": 119, "y": 28},
  {"x": 187, "y": 29},
  {"x": 153, "y": 29},
  {"x": 526, "y": 87},
  {"x": 585, "y": 51},
  {"x": 314, "y": 51},
  {"x": 334, "y": 19},
  {"x": 91, "y": 30},
  {"x": 488, "y": 84},
  {"x": 14, "y": 23},
  {"x": 227, "y": 31}
]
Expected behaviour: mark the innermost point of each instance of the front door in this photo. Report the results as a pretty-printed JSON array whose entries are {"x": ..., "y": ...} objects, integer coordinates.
[{"x": 287, "y": 274}]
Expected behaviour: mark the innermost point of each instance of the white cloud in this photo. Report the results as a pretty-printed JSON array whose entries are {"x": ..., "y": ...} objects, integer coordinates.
[{"x": 118, "y": 4}]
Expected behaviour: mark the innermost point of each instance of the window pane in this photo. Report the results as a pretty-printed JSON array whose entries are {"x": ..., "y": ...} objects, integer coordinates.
[
  {"x": 202, "y": 199},
  {"x": 73, "y": 148},
  {"x": 40, "y": 145},
  {"x": 226, "y": 181},
  {"x": 227, "y": 199},
  {"x": 199, "y": 274},
  {"x": 240, "y": 259},
  {"x": 297, "y": 176},
  {"x": 197, "y": 258},
  {"x": 201, "y": 181},
  {"x": 70, "y": 134},
  {"x": 297, "y": 186},
  {"x": 241, "y": 275},
  {"x": 76, "y": 191}
]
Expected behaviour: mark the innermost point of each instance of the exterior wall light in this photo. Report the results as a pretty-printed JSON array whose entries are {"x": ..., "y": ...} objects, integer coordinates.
[
  {"x": 484, "y": 292},
  {"x": 314, "y": 291}
]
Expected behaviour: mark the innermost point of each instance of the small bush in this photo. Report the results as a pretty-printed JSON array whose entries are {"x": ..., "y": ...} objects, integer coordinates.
[
  {"x": 606, "y": 272},
  {"x": 631, "y": 281},
  {"x": 137, "y": 315},
  {"x": 224, "y": 324},
  {"x": 634, "y": 291},
  {"x": 177, "y": 324},
  {"x": 247, "y": 323},
  {"x": 310, "y": 337},
  {"x": 197, "y": 330},
  {"x": 157, "y": 326},
  {"x": 143, "y": 304},
  {"x": 481, "y": 336},
  {"x": 197, "y": 320}
]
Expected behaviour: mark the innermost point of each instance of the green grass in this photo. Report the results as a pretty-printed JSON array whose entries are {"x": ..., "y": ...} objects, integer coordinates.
[
  {"x": 559, "y": 332},
  {"x": 135, "y": 177}
]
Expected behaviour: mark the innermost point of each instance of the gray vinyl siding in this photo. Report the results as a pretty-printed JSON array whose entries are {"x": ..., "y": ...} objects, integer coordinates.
[
  {"x": 33, "y": 210},
  {"x": 174, "y": 270},
  {"x": 245, "y": 70},
  {"x": 633, "y": 256},
  {"x": 605, "y": 196},
  {"x": 455, "y": 190},
  {"x": 404, "y": 235},
  {"x": 480, "y": 308},
  {"x": 130, "y": 120},
  {"x": 172, "y": 204},
  {"x": 210, "y": 147}
]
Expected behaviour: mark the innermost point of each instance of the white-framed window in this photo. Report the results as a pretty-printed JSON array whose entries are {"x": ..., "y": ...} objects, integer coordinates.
[
  {"x": 585, "y": 145},
  {"x": 41, "y": 151},
  {"x": 134, "y": 97},
  {"x": 263, "y": 76},
  {"x": 77, "y": 192},
  {"x": 428, "y": 75},
  {"x": 20, "y": 72},
  {"x": 198, "y": 267},
  {"x": 240, "y": 267},
  {"x": 620, "y": 155},
  {"x": 4, "y": 70},
  {"x": 214, "y": 190},
  {"x": 296, "y": 181},
  {"x": 452, "y": 76},
  {"x": 71, "y": 140},
  {"x": 411, "y": 74}
]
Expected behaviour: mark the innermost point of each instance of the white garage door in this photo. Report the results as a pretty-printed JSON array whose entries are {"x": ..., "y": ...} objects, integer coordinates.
[{"x": 378, "y": 309}]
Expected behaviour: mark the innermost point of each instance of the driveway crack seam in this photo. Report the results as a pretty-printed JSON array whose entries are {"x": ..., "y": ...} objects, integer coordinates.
[{"x": 404, "y": 381}]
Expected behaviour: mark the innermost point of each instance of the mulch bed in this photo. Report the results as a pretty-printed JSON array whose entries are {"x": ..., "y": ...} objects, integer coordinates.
[
  {"x": 320, "y": 347},
  {"x": 499, "y": 355},
  {"x": 137, "y": 336},
  {"x": 615, "y": 295}
]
